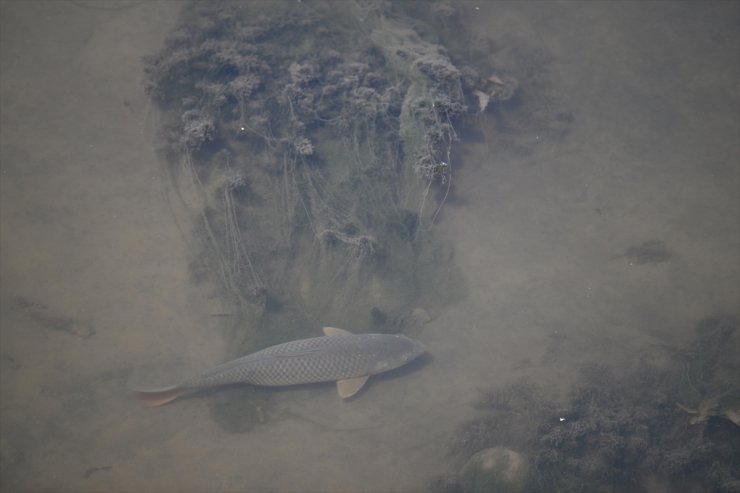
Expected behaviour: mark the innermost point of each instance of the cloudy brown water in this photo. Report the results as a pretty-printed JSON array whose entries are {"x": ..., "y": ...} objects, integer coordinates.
[{"x": 612, "y": 230}]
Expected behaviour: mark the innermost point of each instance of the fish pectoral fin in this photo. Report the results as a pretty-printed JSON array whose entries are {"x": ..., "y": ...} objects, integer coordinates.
[
  {"x": 350, "y": 386},
  {"x": 333, "y": 331}
]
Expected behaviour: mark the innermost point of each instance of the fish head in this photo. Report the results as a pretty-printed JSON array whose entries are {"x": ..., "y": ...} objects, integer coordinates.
[
  {"x": 413, "y": 348},
  {"x": 397, "y": 351}
]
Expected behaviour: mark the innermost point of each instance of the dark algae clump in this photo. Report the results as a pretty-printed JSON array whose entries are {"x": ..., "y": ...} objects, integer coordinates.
[
  {"x": 241, "y": 409},
  {"x": 676, "y": 425},
  {"x": 311, "y": 145}
]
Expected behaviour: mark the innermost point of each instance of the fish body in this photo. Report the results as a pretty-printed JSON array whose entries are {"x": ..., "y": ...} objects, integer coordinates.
[{"x": 339, "y": 356}]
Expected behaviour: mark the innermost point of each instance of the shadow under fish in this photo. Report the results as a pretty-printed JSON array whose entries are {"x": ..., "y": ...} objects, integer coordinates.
[{"x": 349, "y": 359}]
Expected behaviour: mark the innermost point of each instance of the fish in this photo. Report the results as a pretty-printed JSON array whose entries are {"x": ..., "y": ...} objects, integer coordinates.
[{"x": 339, "y": 355}]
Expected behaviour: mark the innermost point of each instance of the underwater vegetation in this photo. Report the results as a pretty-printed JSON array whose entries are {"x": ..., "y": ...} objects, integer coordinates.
[
  {"x": 676, "y": 426},
  {"x": 311, "y": 145}
]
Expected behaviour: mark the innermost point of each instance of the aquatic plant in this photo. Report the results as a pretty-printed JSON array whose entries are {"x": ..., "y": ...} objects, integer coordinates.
[
  {"x": 612, "y": 432},
  {"x": 301, "y": 156}
]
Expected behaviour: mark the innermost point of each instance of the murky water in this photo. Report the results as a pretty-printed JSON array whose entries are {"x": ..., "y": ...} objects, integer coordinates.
[{"x": 602, "y": 224}]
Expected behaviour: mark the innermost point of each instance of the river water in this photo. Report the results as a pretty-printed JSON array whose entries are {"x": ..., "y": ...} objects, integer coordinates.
[{"x": 592, "y": 239}]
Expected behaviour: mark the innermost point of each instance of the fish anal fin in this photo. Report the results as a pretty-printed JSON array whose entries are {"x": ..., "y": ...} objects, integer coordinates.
[
  {"x": 333, "y": 331},
  {"x": 159, "y": 397},
  {"x": 350, "y": 386}
]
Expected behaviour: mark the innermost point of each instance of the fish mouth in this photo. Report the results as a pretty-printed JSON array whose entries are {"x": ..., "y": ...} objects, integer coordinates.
[
  {"x": 408, "y": 349},
  {"x": 417, "y": 349}
]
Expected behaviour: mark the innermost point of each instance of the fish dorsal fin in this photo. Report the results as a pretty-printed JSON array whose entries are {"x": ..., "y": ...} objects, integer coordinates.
[
  {"x": 350, "y": 386},
  {"x": 333, "y": 331}
]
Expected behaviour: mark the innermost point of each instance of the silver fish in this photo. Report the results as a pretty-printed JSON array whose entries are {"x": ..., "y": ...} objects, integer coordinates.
[{"x": 339, "y": 356}]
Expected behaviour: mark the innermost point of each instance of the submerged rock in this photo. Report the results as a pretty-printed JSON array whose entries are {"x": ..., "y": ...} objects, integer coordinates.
[{"x": 494, "y": 469}]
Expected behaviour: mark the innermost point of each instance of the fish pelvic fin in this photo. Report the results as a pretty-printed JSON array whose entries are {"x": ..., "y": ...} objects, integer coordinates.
[
  {"x": 160, "y": 397},
  {"x": 350, "y": 386}
]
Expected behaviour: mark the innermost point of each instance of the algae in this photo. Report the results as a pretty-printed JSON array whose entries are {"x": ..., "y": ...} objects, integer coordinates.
[
  {"x": 241, "y": 409},
  {"x": 619, "y": 432},
  {"x": 311, "y": 145}
]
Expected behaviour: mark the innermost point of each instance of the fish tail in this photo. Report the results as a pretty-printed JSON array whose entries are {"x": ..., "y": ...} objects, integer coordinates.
[{"x": 160, "y": 397}]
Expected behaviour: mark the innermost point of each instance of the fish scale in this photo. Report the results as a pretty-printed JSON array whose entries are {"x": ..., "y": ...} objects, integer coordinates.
[
  {"x": 339, "y": 356},
  {"x": 318, "y": 359}
]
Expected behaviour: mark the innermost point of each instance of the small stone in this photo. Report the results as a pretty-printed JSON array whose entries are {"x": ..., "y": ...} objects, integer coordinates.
[{"x": 494, "y": 469}]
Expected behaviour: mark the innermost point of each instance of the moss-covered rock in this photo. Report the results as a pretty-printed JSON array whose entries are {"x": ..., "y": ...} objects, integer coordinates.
[{"x": 494, "y": 470}]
